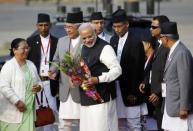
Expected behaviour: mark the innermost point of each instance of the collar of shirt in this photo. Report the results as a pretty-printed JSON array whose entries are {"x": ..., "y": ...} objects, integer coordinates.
[
  {"x": 101, "y": 35},
  {"x": 121, "y": 44},
  {"x": 75, "y": 41},
  {"x": 45, "y": 41},
  {"x": 173, "y": 48},
  {"x": 148, "y": 59},
  {"x": 160, "y": 42}
]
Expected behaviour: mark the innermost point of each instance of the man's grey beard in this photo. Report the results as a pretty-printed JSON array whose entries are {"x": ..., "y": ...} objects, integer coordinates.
[{"x": 91, "y": 45}]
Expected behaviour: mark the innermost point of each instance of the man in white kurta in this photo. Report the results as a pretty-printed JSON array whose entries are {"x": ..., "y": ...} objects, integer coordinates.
[
  {"x": 103, "y": 64},
  {"x": 177, "y": 85},
  {"x": 69, "y": 110}
]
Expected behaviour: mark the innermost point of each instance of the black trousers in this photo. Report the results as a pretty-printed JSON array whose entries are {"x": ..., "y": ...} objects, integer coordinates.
[{"x": 158, "y": 113}]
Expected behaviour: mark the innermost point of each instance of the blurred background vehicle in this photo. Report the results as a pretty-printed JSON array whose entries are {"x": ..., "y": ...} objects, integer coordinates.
[{"x": 3, "y": 59}]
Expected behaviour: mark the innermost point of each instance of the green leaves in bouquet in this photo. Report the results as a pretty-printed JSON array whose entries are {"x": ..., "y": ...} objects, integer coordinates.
[
  {"x": 68, "y": 60},
  {"x": 69, "y": 65}
]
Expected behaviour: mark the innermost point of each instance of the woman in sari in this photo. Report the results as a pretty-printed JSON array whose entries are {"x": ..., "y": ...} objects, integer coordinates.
[{"x": 19, "y": 82}]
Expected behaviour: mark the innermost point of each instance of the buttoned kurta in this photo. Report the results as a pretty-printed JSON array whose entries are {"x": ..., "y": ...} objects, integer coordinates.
[{"x": 102, "y": 117}]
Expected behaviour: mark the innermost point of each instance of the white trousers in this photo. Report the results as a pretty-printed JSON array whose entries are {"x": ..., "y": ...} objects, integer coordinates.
[
  {"x": 100, "y": 117},
  {"x": 177, "y": 124},
  {"x": 69, "y": 115}
]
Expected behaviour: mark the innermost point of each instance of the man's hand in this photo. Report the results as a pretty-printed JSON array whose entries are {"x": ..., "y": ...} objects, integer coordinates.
[
  {"x": 36, "y": 88},
  {"x": 153, "y": 98},
  {"x": 132, "y": 99},
  {"x": 91, "y": 81},
  {"x": 52, "y": 75},
  {"x": 183, "y": 114},
  {"x": 75, "y": 81},
  {"x": 20, "y": 106},
  {"x": 142, "y": 88}
]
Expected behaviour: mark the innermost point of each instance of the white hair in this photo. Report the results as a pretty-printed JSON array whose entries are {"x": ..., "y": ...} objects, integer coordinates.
[
  {"x": 90, "y": 27},
  {"x": 86, "y": 25}
]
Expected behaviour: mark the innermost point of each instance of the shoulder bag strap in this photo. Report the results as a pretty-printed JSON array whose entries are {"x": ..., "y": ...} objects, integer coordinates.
[{"x": 43, "y": 91}]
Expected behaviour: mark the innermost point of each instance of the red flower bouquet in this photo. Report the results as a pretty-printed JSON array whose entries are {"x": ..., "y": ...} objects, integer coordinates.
[{"x": 77, "y": 70}]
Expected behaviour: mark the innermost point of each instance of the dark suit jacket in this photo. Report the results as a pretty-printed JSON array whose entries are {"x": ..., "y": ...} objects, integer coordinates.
[
  {"x": 158, "y": 69},
  {"x": 35, "y": 56},
  {"x": 132, "y": 64}
]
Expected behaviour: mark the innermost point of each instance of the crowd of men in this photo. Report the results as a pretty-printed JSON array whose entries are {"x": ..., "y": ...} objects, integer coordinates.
[{"x": 135, "y": 77}]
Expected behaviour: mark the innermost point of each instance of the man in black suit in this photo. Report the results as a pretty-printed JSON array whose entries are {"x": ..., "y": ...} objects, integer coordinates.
[
  {"x": 130, "y": 53},
  {"x": 42, "y": 49},
  {"x": 158, "y": 65}
]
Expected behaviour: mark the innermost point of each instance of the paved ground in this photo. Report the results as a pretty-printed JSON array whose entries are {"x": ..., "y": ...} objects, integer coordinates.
[{"x": 150, "y": 125}]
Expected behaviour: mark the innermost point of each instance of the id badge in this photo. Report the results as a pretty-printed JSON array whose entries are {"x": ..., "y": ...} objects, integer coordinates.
[
  {"x": 163, "y": 89},
  {"x": 44, "y": 70}
]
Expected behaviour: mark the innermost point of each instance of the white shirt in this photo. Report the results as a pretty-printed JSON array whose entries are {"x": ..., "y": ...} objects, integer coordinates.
[
  {"x": 45, "y": 55},
  {"x": 147, "y": 61},
  {"x": 173, "y": 48},
  {"x": 160, "y": 42},
  {"x": 75, "y": 41},
  {"x": 104, "y": 36},
  {"x": 121, "y": 44},
  {"x": 108, "y": 57}
]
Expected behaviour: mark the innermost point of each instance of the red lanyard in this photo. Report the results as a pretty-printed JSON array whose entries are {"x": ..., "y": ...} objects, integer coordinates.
[{"x": 45, "y": 53}]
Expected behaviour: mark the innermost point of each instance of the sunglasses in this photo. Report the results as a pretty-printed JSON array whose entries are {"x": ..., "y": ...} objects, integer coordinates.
[{"x": 154, "y": 27}]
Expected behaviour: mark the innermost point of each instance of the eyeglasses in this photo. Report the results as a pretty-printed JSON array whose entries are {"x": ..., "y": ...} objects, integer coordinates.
[
  {"x": 67, "y": 26},
  {"x": 24, "y": 49},
  {"x": 154, "y": 27}
]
